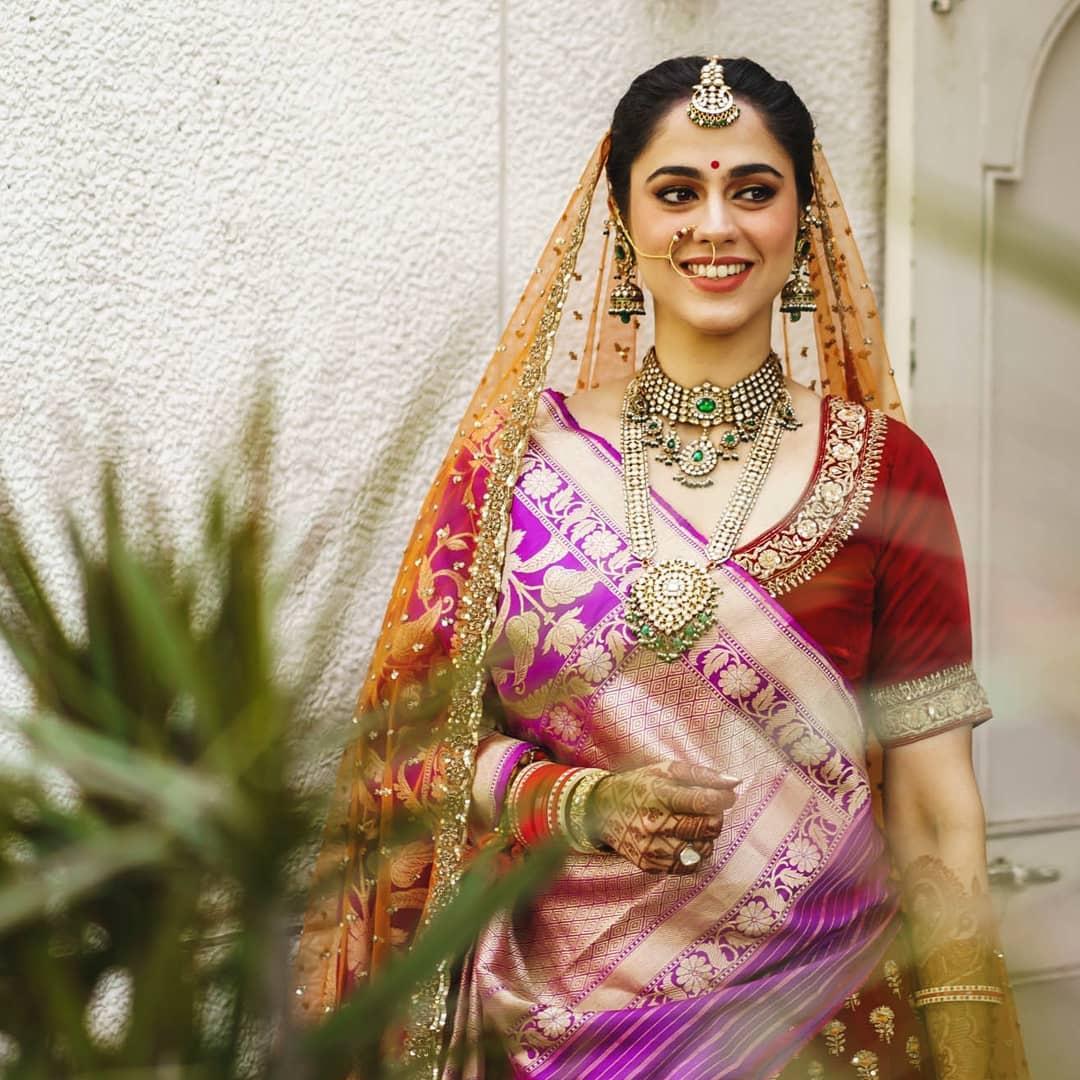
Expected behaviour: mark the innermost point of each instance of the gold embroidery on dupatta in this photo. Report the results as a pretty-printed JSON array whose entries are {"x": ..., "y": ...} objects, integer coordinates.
[
  {"x": 854, "y": 441},
  {"x": 472, "y": 635},
  {"x": 910, "y": 709}
]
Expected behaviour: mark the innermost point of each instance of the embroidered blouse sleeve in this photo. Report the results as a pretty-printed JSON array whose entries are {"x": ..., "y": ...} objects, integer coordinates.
[{"x": 921, "y": 679}]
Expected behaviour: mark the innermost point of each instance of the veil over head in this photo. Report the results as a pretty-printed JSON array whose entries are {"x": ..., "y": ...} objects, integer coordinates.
[{"x": 420, "y": 711}]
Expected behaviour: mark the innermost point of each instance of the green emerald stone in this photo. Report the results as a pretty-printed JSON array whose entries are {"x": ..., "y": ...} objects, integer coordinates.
[
  {"x": 706, "y": 405},
  {"x": 730, "y": 439},
  {"x": 671, "y": 444},
  {"x": 698, "y": 455},
  {"x": 620, "y": 252}
]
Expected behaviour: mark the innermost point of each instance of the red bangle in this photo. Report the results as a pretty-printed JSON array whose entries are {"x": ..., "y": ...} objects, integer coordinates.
[{"x": 531, "y": 797}]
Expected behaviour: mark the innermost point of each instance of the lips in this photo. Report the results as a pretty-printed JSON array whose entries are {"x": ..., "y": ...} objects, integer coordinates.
[{"x": 716, "y": 270}]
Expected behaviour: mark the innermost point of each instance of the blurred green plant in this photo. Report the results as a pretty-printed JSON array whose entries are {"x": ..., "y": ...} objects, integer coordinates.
[{"x": 149, "y": 846}]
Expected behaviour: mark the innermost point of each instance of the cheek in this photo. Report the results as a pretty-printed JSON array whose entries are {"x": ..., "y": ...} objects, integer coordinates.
[{"x": 776, "y": 237}]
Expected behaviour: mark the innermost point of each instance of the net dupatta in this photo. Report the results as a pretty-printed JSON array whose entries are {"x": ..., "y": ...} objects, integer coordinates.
[
  {"x": 396, "y": 836},
  {"x": 852, "y": 359},
  {"x": 396, "y": 833}
]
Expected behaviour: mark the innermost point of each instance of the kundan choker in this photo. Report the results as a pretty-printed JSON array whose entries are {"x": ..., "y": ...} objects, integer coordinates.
[
  {"x": 743, "y": 404},
  {"x": 673, "y": 603}
]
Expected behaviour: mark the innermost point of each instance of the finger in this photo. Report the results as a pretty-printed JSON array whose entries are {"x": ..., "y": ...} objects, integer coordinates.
[
  {"x": 683, "y": 772},
  {"x": 696, "y": 828},
  {"x": 702, "y": 801}
]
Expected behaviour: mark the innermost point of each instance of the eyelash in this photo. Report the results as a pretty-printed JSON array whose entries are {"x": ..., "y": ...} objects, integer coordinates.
[{"x": 767, "y": 191}]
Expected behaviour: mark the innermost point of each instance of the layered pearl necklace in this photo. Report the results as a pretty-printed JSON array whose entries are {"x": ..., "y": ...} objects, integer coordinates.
[{"x": 673, "y": 603}]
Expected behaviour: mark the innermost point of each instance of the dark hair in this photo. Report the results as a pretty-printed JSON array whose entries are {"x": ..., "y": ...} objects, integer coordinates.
[{"x": 655, "y": 91}]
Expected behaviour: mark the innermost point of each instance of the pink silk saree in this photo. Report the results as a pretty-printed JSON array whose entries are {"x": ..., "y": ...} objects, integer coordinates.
[{"x": 614, "y": 972}]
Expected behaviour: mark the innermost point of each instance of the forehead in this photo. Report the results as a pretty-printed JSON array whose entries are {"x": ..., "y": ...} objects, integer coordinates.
[{"x": 679, "y": 141}]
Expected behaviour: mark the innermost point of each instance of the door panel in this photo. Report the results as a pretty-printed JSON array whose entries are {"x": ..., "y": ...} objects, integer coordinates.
[{"x": 994, "y": 167}]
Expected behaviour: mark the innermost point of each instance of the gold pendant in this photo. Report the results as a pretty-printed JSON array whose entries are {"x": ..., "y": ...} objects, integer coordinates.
[{"x": 671, "y": 606}]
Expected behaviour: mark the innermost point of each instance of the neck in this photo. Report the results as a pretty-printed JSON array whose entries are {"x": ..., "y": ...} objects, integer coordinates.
[{"x": 691, "y": 357}]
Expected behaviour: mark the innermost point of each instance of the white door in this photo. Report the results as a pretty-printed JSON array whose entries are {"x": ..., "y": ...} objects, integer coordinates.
[{"x": 983, "y": 281}]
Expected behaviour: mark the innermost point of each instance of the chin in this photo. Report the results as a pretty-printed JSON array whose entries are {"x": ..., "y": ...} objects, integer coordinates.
[{"x": 716, "y": 319}]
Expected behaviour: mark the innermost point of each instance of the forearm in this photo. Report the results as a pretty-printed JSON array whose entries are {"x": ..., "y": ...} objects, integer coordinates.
[
  {"x": 942, "y": 868},
  {"x": 498, "y": 758}
]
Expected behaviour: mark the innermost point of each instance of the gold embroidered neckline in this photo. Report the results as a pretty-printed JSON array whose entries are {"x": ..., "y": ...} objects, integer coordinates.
[{"x": 807, "y": 540}]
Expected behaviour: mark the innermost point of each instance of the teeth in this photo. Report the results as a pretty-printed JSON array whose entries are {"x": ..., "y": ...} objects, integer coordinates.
[{"x": 711, "y": 270}]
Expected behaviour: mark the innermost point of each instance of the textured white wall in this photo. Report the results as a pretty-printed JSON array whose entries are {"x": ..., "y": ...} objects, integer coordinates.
[{"x": 345, "y": 195}]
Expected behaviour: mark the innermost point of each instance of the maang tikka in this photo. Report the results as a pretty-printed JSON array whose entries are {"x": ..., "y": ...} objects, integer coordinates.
[
  {"x": 713, "y": 104},
  {"x": 626, "y": 299},
  {"x": 798, "y": 294}
]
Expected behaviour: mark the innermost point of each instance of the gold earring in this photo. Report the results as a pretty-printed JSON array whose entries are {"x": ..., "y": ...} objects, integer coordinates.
[
  {"x": 798, "y": 294},
  {"x": 626, "y": 299}
]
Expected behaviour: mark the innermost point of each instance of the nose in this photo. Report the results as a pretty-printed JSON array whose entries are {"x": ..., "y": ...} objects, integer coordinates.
[{"x": 717, "y": 223}]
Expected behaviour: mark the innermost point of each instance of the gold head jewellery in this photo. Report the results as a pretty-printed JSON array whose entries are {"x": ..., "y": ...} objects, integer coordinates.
[
  {"x": 713, "y": 104},
  {"x": 673, "y": 602}
]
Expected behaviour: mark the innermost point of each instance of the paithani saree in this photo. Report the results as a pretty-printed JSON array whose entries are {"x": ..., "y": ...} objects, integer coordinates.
[{"x": 615, "y": 972}]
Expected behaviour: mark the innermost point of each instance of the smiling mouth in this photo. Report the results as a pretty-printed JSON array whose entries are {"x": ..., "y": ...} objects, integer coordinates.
[{"x": 714, "y": 270}]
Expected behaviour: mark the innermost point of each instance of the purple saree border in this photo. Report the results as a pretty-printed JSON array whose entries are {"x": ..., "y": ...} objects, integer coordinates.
[{"x": 647, "y": 1041}]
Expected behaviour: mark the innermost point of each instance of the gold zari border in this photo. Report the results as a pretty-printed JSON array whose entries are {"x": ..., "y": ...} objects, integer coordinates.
[
  {"x": 906, "y": 711},
  {"x": 837, "y": 503},
  {"x": 428, "y": 1012}
]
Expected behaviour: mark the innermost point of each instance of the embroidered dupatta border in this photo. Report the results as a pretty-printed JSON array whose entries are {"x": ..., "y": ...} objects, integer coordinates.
[{"x": 428, "y": 1015}]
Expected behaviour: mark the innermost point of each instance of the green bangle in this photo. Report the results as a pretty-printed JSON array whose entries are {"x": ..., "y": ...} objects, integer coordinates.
[{"x": 575, "y": 823}]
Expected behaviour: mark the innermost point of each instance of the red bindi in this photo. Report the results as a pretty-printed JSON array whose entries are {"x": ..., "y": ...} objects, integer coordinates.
[{"x": 715, "y": 164}]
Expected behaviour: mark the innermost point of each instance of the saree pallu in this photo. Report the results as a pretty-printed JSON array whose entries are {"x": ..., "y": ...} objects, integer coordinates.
[{"x": 615, "y": 972}]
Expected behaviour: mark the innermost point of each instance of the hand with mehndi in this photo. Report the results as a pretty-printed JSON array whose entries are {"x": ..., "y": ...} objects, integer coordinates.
[{"x": 649, "y": 815}]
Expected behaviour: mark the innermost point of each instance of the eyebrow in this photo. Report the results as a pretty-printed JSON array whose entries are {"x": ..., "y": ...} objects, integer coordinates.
[{"x": 696, "y": 174}]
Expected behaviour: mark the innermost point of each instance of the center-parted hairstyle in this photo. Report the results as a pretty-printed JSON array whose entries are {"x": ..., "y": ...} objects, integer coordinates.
[{"x": 652, "y": 94}]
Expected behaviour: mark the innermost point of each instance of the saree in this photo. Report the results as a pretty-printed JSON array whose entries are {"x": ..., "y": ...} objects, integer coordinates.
[{"x": 617, "y": 972}]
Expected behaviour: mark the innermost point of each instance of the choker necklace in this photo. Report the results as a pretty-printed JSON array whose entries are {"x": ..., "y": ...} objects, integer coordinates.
[
  {"x": 706, "y": 405},
  {"x": 673, "y": 603}
]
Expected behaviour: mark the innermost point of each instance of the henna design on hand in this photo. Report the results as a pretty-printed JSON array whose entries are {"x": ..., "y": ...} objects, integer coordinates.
[{"x": 649, "y": 814}]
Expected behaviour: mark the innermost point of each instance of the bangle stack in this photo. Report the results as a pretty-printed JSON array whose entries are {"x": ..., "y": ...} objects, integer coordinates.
[
  {"x": 935, "y": 995},
  {"x": 546, "y": 799}
]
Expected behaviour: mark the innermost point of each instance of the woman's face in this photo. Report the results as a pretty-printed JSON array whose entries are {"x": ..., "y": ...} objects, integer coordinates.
[{"x": 736, "y": 187}]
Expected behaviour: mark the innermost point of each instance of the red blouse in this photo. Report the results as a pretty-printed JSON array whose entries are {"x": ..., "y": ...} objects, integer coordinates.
[{"x": 869, "y": 563}]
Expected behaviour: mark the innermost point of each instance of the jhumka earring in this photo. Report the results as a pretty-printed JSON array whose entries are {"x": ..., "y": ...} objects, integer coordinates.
[
  {"x": 798, "y": 294},
  {"x": 626, "y": 299}
]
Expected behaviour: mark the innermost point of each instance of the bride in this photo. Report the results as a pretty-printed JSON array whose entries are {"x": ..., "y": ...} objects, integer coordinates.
[{"x": 666, "y": 602}]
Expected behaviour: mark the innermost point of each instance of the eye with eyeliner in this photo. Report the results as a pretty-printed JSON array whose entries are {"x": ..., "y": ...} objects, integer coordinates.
[
  {"x": 762, "y": 192},
  {"x": 663, "y": 193}
]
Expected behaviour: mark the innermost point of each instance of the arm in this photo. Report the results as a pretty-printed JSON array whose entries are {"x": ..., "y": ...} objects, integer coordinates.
[{"x": 936, "y": 830}]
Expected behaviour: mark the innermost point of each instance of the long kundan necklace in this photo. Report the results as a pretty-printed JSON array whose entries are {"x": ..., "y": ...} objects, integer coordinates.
[
  {"x": 673, "y": 603},
  {"x": 705, "y": 406}
]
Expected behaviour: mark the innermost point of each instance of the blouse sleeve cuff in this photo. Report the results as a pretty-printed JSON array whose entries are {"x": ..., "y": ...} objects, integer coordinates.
[{"x": 914, "y": 709}]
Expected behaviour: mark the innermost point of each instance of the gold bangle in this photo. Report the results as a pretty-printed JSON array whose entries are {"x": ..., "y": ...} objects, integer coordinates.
[
  {"x": 934, "y": 995},
  {"x": 555, "y": 808},
  {"x": 576, "y": 822}
]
